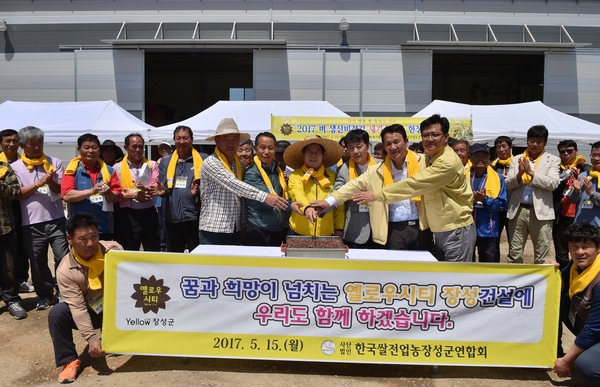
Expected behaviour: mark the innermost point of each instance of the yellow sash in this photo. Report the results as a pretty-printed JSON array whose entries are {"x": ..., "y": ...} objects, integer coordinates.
[
  {"x": 352, "y": 169},
  {"x": 593, "y": 173},
  {"x": 578, "y": 160},
  {"x": 238, "y": 164},
  {"x": 526, "y": 179},
  {"x": 267, "y": 182},
  {"x": 339, "y": 163},
  {"x": 126, "y": 180},
  {"x": 319, "y": 174},
  {"x": 579, "y": 281},
  {"x": 504, "y": 163},
  {"x": 31, "y": 163},
  {"x": 95, "y": 267},
  {"x": 492, "y": 182},
  {"x": 3, "y": 157},
  {"x": 412, "y": 165},
  {"x": 3, "y": 170},
  {"x": 73, "y": 164},
  {"x": 196, "y": 161}
]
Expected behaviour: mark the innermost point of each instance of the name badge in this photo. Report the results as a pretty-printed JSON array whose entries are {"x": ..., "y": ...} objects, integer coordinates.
[
  {"x": 181, "y": 182},
  {"x": 43, "y": 189},
  {"x": 363, "y": 208},
  {"x": 96, "y": 198},
  {"x": 97, "y": 303},
  {"x": 587, "y": 204}
]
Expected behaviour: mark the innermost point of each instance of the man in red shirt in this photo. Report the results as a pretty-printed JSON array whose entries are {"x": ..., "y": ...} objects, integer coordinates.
[{"x": 90, "y": 185}]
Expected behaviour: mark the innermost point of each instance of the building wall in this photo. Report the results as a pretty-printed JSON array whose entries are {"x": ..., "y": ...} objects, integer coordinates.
[
  {"x": 116, "y": 75},
  {"x": 378, "y": 83},
  {"x": 364, "y": 71},
  {"x": 572, "y": 82}
]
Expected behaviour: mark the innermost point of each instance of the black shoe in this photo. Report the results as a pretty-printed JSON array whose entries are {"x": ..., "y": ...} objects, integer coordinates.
[
  {"x": 16, "y": 310},
  {"x": 44, "y": 303}
]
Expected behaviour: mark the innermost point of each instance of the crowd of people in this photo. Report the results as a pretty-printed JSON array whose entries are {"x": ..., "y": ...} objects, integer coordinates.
[{"x": 443, "y": 195}]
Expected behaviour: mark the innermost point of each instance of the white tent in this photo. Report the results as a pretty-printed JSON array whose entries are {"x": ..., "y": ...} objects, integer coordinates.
[
  {"x": 64, "y": 122},
  {"x": 445, "y": 109},
  {"x": 513, "y": 120},
  {"x": 251, "y": 117}
]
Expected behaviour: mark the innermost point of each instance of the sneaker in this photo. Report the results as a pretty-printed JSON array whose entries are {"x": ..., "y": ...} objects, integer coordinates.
[
  {"x": 44, "y": 303},
  {"x": 26, "y": 287},
  {"x": 16, "y": 310},
  {"x": 69, "y": 372}
]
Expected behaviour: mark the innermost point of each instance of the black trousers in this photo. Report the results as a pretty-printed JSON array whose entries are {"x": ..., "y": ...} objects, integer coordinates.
[
  {"x": 405, "y": 236},
  {"x": 9, "y": 284},
  {"x": 487, "y": 249},
  {"x": 561, "y": 248},
  {"x": 182, "y": 235},
  {"x": 138, "y": 227},
  {"x": 61, "y": 325},
  {"x": 219, "y": 238},
  {"x": 260, "y": 237}
]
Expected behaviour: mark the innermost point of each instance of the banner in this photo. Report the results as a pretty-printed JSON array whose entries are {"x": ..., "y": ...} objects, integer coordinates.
[
  {"x": 334, "y": 128},
  {"x": 331, "y": 310}
]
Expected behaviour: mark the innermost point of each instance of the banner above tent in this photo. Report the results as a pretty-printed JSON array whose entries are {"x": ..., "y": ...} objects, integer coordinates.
[
  {"x": 251, "y": 117},
  {"x": 334, "y": 128},
  {"x": 64, "y": 122}
]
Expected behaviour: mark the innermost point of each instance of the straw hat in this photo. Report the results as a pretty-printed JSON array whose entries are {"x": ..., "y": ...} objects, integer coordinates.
[
  {"x": 228, "y": 126},
  {"x": 294, "y": 157}
]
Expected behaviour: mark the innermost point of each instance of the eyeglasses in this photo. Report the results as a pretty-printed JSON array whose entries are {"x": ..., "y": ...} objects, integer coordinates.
[
  {"x": 433, "y": 136},
  {"x": 595, "y": 156},
  {"x": 568, "y": 151}
]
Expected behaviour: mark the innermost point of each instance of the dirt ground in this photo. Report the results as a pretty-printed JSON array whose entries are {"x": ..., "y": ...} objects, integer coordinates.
[{"x": 27, "y": 359}]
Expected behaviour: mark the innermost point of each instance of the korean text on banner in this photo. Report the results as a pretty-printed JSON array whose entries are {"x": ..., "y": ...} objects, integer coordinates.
[
  {"x": 331, "y": 310},
  {"x": 334, "y": 128}
]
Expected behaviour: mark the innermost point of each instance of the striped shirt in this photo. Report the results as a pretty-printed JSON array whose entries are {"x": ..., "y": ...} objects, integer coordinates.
[{"x": 220, "y": 191}]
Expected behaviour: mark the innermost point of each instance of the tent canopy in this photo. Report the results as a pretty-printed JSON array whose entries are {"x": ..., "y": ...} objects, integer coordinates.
[
  {"x": 251, "y": 117},
  {"x": 64, "y": 122},
  {"x": 514, "y": 120}
]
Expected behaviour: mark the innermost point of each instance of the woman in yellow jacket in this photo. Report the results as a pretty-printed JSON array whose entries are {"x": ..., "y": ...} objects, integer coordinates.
[{"x": 311, "y": 180}]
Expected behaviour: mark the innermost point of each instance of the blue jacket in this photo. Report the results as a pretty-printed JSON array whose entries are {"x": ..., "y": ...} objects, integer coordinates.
[
  {"x": 180, "y": 205},
  {"x": 591, "y": 215},
  {"x": 83, "y": 181},
  {"x": 590, "y": 334},
  {"x": 486, "y": 216}
]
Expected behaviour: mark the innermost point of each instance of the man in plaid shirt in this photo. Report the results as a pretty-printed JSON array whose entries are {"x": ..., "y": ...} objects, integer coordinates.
[{"x": 222, "y": 189}]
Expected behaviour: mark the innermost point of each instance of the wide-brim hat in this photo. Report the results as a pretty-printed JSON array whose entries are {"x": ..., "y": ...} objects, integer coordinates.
[
  {"x": 111, "y": 144},
  {"x": 294, "y": 157},
  {"x": 228, "y": 126}
]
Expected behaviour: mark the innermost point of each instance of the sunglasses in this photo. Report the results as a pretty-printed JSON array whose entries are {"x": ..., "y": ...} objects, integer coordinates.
[{"x": 568, "y": 151}]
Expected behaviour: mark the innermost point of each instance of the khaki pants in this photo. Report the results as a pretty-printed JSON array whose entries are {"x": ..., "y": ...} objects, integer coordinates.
[{"x": 526, "y": 223}]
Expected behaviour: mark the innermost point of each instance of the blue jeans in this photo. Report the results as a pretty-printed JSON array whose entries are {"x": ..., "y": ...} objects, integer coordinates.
[{"x": 588, "y": 364}]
